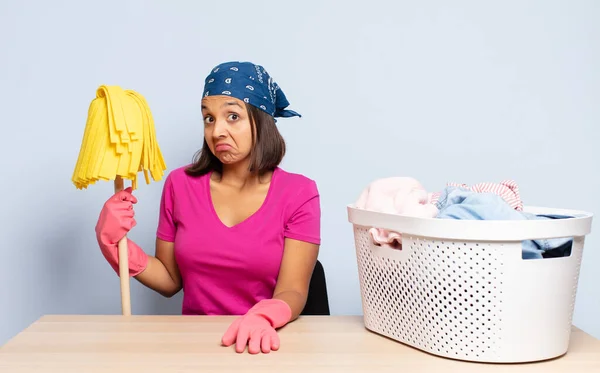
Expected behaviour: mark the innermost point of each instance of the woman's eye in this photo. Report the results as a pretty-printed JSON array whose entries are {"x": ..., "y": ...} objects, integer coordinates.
[
  {"x": 233, "y": 117},
  {"x": 208, "y": 120}
]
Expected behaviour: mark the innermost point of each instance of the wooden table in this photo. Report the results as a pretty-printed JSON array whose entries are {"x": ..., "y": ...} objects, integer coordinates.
[{"x": 89, "y": 344}]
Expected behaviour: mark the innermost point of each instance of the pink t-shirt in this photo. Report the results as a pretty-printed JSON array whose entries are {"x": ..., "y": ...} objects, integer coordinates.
[{"x": 225, "y": 271}]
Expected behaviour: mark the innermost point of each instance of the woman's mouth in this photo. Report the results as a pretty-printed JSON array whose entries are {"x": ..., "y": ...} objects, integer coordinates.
[{"x": 222, "y": 147}]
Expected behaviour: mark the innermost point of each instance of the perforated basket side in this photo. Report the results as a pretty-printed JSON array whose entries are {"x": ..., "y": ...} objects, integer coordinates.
[{"x": 441, "y": 297}]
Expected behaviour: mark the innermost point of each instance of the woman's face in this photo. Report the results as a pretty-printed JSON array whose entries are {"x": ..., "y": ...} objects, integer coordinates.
[{"x": 227, "y": 128}]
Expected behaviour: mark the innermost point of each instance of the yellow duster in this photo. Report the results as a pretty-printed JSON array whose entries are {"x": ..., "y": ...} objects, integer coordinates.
[{"x": 118, "y": 142}]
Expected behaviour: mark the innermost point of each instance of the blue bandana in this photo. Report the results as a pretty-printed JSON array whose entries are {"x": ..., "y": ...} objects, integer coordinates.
[{"x": 250, "y": 83}]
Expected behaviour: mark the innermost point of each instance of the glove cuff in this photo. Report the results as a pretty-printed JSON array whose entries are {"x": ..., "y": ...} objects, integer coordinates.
[
  {"x": 138, "y": 259},
  {"x": 276, "y": 311}
]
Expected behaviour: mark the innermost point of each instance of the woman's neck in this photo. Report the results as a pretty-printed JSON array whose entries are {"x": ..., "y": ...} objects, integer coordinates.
[{"x": 238, "y": 176}]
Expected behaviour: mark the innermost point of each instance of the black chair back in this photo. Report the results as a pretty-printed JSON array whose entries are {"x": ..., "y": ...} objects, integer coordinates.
[{"x": 317, "y": 303}]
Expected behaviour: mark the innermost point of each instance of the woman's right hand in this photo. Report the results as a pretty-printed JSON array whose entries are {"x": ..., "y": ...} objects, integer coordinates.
[{"x": 115, "y": 221}]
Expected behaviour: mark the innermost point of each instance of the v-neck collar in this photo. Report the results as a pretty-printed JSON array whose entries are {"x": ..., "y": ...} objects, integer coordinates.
[{"x": 249, "y": 218}]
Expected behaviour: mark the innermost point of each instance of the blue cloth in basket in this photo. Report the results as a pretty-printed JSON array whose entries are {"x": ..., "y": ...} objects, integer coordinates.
[{"x": 461, "y": 203}]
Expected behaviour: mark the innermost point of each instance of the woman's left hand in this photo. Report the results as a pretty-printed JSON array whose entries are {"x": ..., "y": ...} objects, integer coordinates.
[{"x": 257, "y": 328}]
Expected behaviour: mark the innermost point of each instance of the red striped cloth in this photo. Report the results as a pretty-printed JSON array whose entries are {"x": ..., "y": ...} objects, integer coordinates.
[{"x": 507, "y": 189}]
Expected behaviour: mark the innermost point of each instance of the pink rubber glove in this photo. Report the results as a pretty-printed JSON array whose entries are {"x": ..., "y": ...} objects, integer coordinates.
[
  {"x": 257, "y": 327},
  {"x": 115, "y": 221}
]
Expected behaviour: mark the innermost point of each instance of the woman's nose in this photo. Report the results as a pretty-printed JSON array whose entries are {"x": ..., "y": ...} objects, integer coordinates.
[{"x": 220, "y": 128}]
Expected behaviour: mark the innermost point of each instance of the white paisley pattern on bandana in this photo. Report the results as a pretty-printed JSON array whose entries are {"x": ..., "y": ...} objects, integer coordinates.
[{"x": 250, "y": 83}]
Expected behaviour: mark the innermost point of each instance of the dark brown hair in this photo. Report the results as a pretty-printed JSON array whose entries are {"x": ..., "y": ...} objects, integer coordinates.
[{"x": 267, "y": 151}]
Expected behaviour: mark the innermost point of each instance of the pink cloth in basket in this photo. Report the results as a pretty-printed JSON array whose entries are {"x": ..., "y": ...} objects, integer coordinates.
[
  {"x": 507, "y": 189},
  {"x": 395, "y": 195}
]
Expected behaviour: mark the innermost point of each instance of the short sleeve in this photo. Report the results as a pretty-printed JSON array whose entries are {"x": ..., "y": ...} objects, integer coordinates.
[
  {"x": 166, "y": 223},
  {"x": 304, "y": 222}
]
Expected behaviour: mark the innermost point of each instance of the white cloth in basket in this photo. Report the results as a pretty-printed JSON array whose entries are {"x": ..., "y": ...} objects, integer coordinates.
[{"x": 395, "y": 195}]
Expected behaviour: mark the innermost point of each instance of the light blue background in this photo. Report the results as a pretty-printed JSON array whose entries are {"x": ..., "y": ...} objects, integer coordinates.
[{"x": 462, "y": 91}]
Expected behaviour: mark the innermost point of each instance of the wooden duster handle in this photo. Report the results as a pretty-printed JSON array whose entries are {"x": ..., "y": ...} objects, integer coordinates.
[{"x": 123, "y": 263}]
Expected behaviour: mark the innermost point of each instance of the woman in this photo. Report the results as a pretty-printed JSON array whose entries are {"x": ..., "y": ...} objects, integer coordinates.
[{"x": 237, "y": 233}]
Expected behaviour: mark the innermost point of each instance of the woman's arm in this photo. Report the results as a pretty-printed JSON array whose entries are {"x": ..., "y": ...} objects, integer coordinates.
[
  {"x": 162, "y": 274},
  {"x": 298, "y": 263},
  {"x": 257, "y": 328}
]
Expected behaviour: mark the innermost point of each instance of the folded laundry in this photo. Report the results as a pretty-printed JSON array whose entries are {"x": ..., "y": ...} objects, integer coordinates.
[
  {"x": 463, "y": 203},
  {"x": 395, "y": 195}
]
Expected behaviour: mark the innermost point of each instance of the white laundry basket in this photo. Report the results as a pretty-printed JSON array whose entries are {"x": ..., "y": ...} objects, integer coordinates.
[{"x": 460, "y": 288}]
